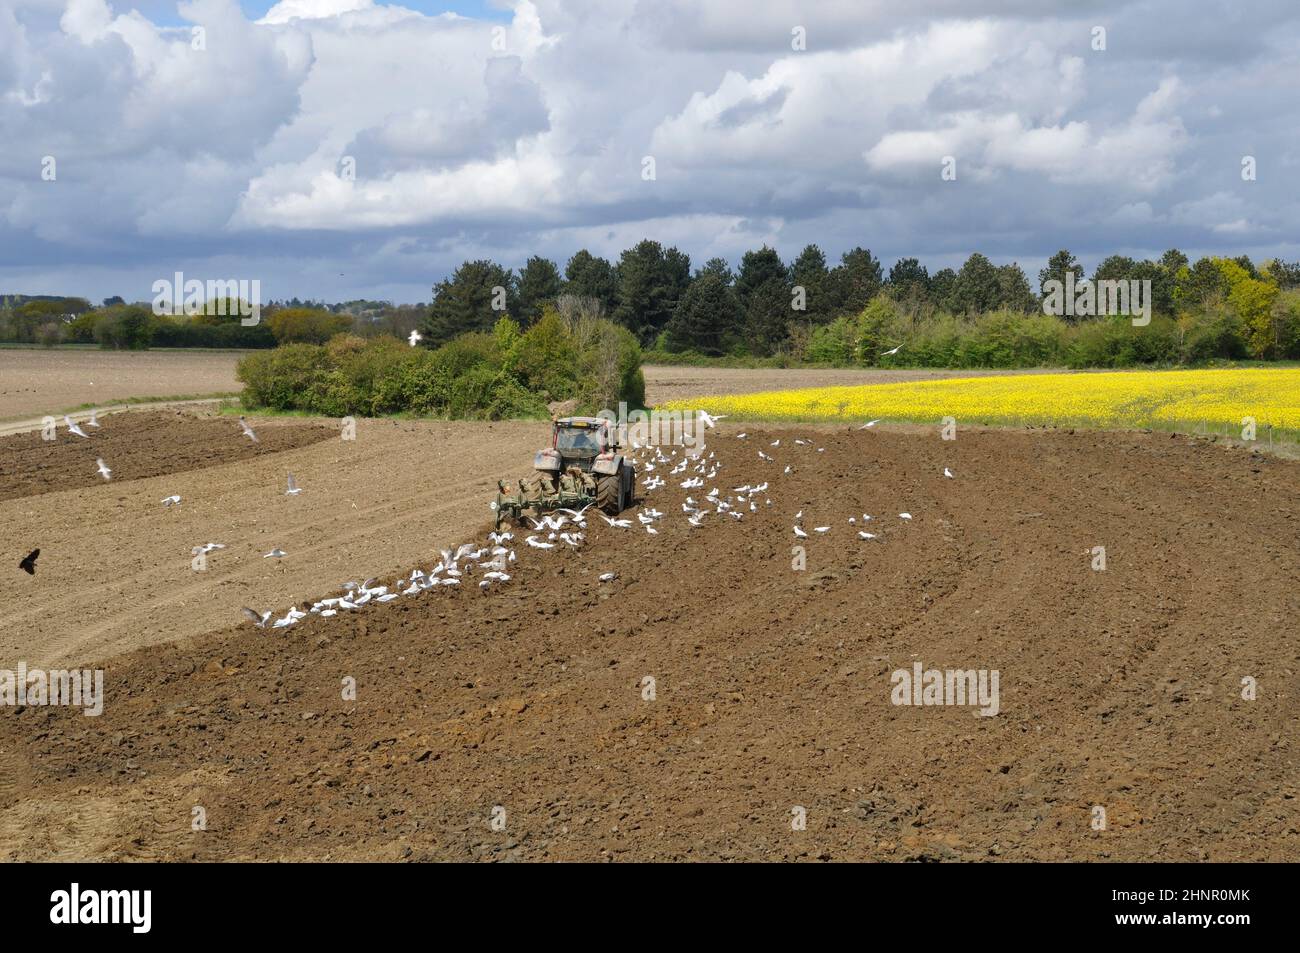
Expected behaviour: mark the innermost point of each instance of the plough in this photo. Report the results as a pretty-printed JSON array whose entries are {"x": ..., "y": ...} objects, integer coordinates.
[{"x": 571, "y": 493}]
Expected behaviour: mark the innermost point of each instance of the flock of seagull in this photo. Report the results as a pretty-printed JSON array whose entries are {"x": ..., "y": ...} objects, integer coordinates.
[{"x": 489, "y": 564}]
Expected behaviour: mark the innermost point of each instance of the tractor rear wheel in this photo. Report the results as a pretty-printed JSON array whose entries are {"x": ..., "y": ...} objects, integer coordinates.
[{"x": 608, "y": 497}]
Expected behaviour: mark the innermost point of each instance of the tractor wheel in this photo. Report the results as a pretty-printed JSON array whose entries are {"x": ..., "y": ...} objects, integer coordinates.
[{"x": 608, "y": 498}]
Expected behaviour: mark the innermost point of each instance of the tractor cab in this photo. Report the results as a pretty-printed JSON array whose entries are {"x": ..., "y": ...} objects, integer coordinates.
[{"x": 579, "y": 441}]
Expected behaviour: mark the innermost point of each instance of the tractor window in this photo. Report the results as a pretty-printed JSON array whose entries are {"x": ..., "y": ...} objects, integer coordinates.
[{"x": 581, "y": 441}]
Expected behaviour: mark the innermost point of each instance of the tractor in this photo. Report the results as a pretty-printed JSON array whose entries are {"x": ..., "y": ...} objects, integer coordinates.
[{"x": 582, "y": 467}]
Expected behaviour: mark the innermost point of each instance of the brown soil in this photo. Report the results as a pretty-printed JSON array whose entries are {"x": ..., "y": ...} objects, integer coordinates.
[
  {"x": 115, "y": 571},
  {"x": 36, "y": 381},
  {"x": 1119, "y": 689},
  {"x": 137, "y": 446}
]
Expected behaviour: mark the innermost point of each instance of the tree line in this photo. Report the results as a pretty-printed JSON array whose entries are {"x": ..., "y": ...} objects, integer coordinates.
[{"x": 767, "y": 306}]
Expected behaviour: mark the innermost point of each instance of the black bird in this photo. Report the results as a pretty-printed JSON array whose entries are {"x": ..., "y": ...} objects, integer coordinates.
[{"x": 28, "y": 565}]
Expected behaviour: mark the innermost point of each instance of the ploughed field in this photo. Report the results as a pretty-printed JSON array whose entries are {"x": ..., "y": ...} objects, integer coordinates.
[{"x": 519, "y": 721}]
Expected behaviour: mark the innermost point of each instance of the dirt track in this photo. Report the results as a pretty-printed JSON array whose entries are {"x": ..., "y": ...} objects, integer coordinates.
[{"x": 1119, "y": 688}]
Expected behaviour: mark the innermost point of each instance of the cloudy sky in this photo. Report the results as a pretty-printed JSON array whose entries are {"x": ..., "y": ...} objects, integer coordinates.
[{"x": 339, "y": 149}]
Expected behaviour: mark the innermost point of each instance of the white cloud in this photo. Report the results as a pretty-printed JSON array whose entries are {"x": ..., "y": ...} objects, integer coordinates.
[
  {"x": 461, "y": 145},
  {"x": 287, "y": 10}
]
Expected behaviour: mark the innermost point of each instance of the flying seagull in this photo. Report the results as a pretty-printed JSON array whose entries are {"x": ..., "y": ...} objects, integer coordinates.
[
  {"x": 415, "y": 338},
  {"x": 257, "y": 618},
  {"x": 73, "y": 428},
  {"x": 276, "y": 553},
  {"x": 94, "y": 418},
  {"x": 104, "y": 471},
  {"x": 870, "y": 423},
  {"x": 28, "y": 565},
  {"x": 894, "y": 351},
  {"x": 294, "y": 488},
  {"x": 710, "y": 419},
  {"x": 248, "y": 431}
]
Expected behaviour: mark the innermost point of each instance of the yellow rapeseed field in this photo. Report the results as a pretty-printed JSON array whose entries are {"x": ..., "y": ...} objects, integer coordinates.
[{"x": 1116, "y": 400}]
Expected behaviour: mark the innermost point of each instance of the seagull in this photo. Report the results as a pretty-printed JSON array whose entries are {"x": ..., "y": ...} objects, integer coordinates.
[
  {"x": 623, "y": 524},
  {"x": 257, "y": 618},
  {"x": 171, "y": 500},
  {"x": 94, "y": 418},
  {"x": 798, "y": 531},
  {"x": 894, "y": 351},
  {"x": 73, "y": 428},
  {"x": 276, "y": 553},
  {"x": 905, "y": 516},
  {"x": 651, "y": 530},
  {"x": 209, "y": 547},
  {"x": 294, "y": 488},
  {"x": 28, "y": 564},
  {"x": 415, "y": 338},
  {"x": 870, "y": 423},
  {"x": 741, "y": 436},
  {"x": 710, "y": 419},
  {"x": 248, "y": 431},
  {"x": 947, "y": 473},
  {"x": 533, "y": 542},
  {"x": 104, "y": 471},
  {"x": 865, "y": 535},
  {"x": 821, "y": 529},
  {"x": 697, "y": 519},
  {"x": 608, "y": 576}
]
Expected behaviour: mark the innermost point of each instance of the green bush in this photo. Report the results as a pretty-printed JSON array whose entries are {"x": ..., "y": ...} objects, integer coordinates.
[
  {"x": 125, "y": 326},
  {"x": 832, "y": 343},
  {"x": 493, "y": 376}
]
